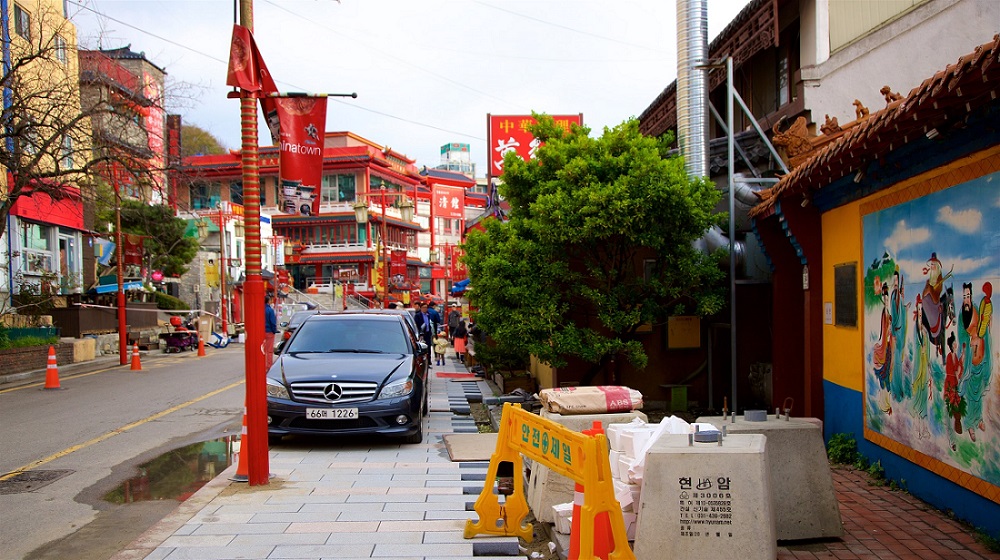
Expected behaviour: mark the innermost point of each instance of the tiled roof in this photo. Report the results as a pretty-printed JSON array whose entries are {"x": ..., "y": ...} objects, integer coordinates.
[{"x": 941, "y": 100}]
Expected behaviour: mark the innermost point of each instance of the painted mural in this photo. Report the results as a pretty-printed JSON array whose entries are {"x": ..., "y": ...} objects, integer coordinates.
[{"x": 932, "y": 348}]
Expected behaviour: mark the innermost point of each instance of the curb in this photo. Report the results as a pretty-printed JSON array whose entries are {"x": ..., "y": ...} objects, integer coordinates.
[{"x": 156, "y": 535}]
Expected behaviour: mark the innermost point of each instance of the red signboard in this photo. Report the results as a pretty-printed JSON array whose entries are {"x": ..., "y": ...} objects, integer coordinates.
[
  {"x": 458, "y": 271},
  {"x": 449, "y": 202},
  {"x": 510, "y": 133},
  {"x": 132, "y": 249}
]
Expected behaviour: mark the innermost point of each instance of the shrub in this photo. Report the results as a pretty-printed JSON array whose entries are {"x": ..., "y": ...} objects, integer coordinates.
[{"x": 167, "y": 301}]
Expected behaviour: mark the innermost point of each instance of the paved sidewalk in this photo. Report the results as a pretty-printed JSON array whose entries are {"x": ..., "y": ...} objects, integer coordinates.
[
  {"x": 343, "y": 499},
  {"x": 348, "y": 499}
]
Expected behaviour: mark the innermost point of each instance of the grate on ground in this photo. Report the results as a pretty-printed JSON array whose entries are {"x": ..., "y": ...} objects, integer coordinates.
[{"x": 29, "y": 481}]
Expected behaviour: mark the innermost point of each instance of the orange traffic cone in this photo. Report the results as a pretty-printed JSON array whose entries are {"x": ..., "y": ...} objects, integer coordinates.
[
  {"x": 242, "y": 474},
  {"x": 603, "y": 538},
  {"x": 201, "y": 346},
  {"x": 52, "y": 371},
  {"x": 136, "y": 364}
]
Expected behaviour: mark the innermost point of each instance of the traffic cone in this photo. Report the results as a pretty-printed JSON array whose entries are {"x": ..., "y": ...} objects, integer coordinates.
[
  {"x": 603, "y": 540},
  {"x": 136, "y": 364},
  {"x": 242, "y": 474},
  {"x": 52, "y": 371},
  {"x": 201, "y": 346}
]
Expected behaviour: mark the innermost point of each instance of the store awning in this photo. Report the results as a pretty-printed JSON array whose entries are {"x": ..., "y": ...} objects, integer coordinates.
[
  {"x": 112, "y": 288},
  {"x": 460, "y": 286}
]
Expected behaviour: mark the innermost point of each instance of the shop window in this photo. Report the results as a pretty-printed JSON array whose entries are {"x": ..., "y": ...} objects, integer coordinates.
[{"x": 36, "y": 248}]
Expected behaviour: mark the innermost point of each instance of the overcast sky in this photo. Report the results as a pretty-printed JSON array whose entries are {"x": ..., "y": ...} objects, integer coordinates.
[{"x": 427, "y": 72}]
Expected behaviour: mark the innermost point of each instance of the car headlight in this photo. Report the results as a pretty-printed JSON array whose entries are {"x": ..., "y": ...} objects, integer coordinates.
[
  {"x": 276, "y": 390},
  {"x": 396, "y": 389}
]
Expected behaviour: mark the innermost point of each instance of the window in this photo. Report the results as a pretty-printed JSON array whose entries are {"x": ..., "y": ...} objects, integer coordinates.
[
  {"x": 337, "y": 188},
  {"x": 22, "y": 23},
  {"x": 236, "y": 193},
  {"x": 205, "y": 196},
  {"x": 36, "y": 248},
  {"x": 60, "y": 45},
  {"x": 66, "y": 155}
]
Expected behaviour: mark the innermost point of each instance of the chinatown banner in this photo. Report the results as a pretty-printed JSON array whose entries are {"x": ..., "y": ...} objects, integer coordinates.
[
  {"x": 248, "y": 72},
  {"x": 300, "y": 164},
  {"x": 509, "y": 133},
  {"x": 449, "y": 202},
  {"x": 397, "y": 269}
]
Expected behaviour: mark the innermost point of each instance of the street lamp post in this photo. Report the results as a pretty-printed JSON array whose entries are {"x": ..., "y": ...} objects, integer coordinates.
[
  {"x": 223, "y": 271},
  {"x": 361, "y": 214}
]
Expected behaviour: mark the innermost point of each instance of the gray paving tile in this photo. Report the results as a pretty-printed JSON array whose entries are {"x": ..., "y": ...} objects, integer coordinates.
[
  {"x": 242, "y": 528},
  {"x": 425, "y": 550},
  {"x": 319, "y": 551},
  {"x": 220, "y": 552}
]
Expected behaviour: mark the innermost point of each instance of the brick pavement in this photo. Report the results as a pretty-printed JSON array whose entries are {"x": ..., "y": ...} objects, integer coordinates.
[{"x": 885, "y": 524}]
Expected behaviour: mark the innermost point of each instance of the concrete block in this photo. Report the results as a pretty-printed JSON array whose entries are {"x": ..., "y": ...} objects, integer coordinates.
[
  {"x": 805, "y": 505},
  {"x": 84, "y": 349},
  {"x": 546, "y": 488},
  {"x": 706, "y": 501}
]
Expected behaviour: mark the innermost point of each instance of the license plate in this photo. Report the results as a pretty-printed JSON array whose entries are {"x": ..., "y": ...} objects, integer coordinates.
[{"x": 332, "y": 413}]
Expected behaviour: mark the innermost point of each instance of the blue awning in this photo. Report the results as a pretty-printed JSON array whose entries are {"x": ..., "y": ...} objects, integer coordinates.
[
  {"x": 112, "y": 288},
  {"x": 460, "y": 286}
]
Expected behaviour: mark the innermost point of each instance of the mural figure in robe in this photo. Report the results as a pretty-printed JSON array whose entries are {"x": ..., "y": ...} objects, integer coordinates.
[
  {"x": 922, "y": 386},
  {"x": 974, "y": 334},
  {"x": 939, "y": 308},
  {"x": 954, "y": 402},
  {"x": 882, "y": 352},
  {"x": 897, "y": 312}
]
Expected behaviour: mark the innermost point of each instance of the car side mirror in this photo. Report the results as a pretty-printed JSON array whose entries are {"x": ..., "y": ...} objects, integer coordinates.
[
  {"x": 283, "y": 324},
  {"x": 423, "y": 348},
  {"x": 279, "y": 347}
]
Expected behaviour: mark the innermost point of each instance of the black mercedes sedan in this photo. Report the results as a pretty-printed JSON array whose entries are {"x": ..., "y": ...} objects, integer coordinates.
[{"x": 343, "y": 374}]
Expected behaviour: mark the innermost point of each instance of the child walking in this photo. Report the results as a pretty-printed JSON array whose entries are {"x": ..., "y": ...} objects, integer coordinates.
[
  {"x": 461, "y": 337},
  {"x": 440, "y": 348}
]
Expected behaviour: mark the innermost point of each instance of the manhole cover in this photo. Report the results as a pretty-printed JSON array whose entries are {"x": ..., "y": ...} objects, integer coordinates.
[{"x": 30, "y": 481}]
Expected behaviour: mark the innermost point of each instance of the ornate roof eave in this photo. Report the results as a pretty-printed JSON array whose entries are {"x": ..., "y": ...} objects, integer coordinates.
[{"x": 946, "y": 97}]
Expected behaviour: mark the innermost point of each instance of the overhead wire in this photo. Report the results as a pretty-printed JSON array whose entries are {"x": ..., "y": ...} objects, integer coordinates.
[{"x": 297, "y": 87}]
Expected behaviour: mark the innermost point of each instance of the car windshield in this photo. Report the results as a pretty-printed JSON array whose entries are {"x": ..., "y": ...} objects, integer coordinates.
[
  {"x": 298, "y": 317},
  {"x": 351, "y": 336}
]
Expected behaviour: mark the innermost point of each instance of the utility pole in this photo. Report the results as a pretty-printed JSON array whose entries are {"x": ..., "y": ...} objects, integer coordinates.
[{"x": 120, "y": 253}]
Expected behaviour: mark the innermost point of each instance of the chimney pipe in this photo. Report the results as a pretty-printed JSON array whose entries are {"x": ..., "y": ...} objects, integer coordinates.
[{"x": 692, "y": 88}]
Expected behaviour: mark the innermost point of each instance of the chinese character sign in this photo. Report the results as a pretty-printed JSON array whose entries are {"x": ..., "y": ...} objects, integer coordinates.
[
  {"x": 458, "y": 271},
  {"x": 509, "y": 133},
  {"x": 449, "y": 202}
]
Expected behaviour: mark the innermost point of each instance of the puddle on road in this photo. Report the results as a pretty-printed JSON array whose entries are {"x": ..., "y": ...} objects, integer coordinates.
[{"x": 178, "y": 473}]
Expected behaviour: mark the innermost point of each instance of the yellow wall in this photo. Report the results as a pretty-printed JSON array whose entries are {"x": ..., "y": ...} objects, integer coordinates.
[{"x": 843, "y": 347}]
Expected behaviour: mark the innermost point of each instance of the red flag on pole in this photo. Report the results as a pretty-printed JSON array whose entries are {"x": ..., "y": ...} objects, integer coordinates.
[
  {"x": 247, "y": 71},
  {"x": 300, "y": 164}
]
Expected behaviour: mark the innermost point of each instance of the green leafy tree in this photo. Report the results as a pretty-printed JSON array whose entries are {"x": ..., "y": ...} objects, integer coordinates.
[
  {"x": 599, "y": 243},
  {"x": 196, "y": 140},
  {"x": 165, "y": 247}
]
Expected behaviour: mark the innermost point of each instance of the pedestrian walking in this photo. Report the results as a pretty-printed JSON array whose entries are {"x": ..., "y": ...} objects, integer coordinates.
[
  {"x": 426, "y": 326},
  {"x": 440, "y": 348},
  {"x": 461, "y": 338},
  {"x": 454, "y": 316},
  {"x": 270, "y": 329}
]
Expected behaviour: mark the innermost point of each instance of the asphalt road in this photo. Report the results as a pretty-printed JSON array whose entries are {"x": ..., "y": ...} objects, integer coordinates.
[{"x": 90, "y": 436}]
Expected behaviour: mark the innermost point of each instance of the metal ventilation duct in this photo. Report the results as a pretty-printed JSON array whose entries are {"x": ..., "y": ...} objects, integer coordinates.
[{"x": 692, "y": 88}]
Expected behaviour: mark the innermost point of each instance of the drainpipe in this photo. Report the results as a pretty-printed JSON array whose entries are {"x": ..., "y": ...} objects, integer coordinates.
[{"x": 8, "y": 102}]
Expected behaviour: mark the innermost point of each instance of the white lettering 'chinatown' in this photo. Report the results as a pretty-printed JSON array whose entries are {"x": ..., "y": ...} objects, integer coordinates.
[{"x": 301, "y": 149}]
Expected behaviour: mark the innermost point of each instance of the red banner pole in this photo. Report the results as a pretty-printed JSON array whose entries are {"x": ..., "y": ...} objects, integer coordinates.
[{"x": 256, "y": 396}]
